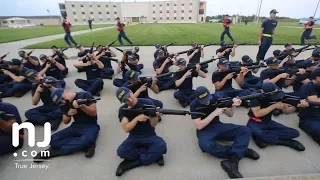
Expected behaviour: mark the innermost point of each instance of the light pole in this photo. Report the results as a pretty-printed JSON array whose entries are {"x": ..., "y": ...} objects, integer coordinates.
[
  {"x": 259, "y": 12},
  {"x": 255, "y": 18},
  {"x": 314, "y": 16}
]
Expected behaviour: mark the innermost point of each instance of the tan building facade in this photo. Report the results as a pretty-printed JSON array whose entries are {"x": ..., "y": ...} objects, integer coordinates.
[
  {"x": 36, "y": 20},
  {"x": 175, "y": 11}
]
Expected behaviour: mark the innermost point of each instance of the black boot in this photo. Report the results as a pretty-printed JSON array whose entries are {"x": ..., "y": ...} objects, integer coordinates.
[
  {"x": 293, "y": 144},
  {"x": 160, "y": 161},
  {"x": 55, "y": 124},
  {"x": 90, "y": 151},
  {"x": 260, "y": 143},
  {"x": 251, "y": 154},
  {"x": 40, "y": 157},
  {"x": 183, "y": 104},
  {"x": 126, "y": 165},
  {"x": 231, "y": 169}
]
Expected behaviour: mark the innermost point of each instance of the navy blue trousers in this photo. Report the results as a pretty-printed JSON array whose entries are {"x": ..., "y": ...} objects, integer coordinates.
[
  {"x": 240, "y": 135},
  {"x": 271, "y": 132},
  {"x": 119, "y": 82},
  {"x": 75, "y": 138},
  {"x": 124, "y": 36},
  {"x": 43, "y": 114},
  {"x": 93, "y": 86},
  {"x": 306, "y": 35},
  {"x": 156, "y": 102},
  {"x": 185, "y": 95},
  {"x": 232, "y": 93},
  {"x": 266, "y": 42},
  {"x": 311, "y": 127},
  {"x": 68, "y": 38},
  {"x": 107, "y": 72},
  {"x": 146, "y": 148},
  {"x": 6, "y": 143},
  {"x": 166, "y": 83},
  {"x": 12, "y": 88},
  {"x": 252, "y": 83},
  {"x": 226, "y": 31}
]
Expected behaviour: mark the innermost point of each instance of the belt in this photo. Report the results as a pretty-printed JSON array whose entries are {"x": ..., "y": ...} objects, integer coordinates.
[
  {"x": 255, "y": 119},
  {"x": 267, "y": 35}
]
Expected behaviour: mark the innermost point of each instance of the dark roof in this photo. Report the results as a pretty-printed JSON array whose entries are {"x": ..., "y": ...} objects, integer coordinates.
[{"x": 30, "y": 17}]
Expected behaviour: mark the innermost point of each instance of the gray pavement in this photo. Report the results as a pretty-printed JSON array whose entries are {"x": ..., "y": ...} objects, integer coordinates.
[{"x": 184, "y": 160}]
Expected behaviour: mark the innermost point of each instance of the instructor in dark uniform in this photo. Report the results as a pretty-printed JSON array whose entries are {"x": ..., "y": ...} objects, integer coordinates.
[
  {"x": 120, "y": 27},
  {"x": 266, "y": 33},
  {"x": 308, "y": 30},
  {"x": 66, "y": 26}
]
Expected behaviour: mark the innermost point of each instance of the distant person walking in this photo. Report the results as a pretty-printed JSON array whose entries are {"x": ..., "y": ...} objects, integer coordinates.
[
  {"x": 226, "y": 24},
  {"x": 66, "y": 26},
  {"x": 308, "y": 30},
  {"x": 90, "y": 23},
  {"x": 120, "y": 27}
]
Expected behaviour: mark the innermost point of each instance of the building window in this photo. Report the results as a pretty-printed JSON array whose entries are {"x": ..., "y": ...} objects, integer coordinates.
[
  {"x": 63, "y": 14},
  {"x": 101, "y": 19},
  {"x": 114, "y": 6},
  {"x": 90, "y": 5},
  {"x": 167, "y": 18},
  {"x": 99, "y": 12},
  {"x": 160, "y": 18},
  {"x": 154, "y": 12},
  {"x": 98, "y": 5},
  {"x": 153, "y": 5},
  {"x": 115, "y": 12},
  {"x": 190, "y": 11},
  {"x": 182, "y": 11},
  {"x": 190, "y": 18},
  {"x": 108, "y": 19},
  {"x": 107, "y": 12},
  {"x": 62, "y": 6},
  {"x": 84, "y": 20},
  {"x": 81, "y": 5},
  {"x": 75, "y": 20},
  {"x": 175, "y": 18},
  {"x": 167, "y": 11},
  {"x": 182, "y": 4},
  {"x": 160, "y": 5},
  {"x": 175, "y": 11},
  {"x": 154, "y": 18},
  {"x": 175, "y": 4},
  {"x": 74, "y": 13},
  {"x": 182, "y": 18},
  {"x": 83, "y": 13},
  {"x": 201, "y": 11},
  {"x": 107, "y": 5},
  {"x": 91, "y": 12},
  {"x": 72, "y": 5},
  {"x": 160, "y": 11}
]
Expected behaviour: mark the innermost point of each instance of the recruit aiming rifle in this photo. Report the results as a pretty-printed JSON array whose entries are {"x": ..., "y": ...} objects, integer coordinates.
[
  {"x": 50, "y": 82},
  {"x": 6, "y": 116},
  {"x": 6, "y": 67},
  {"x": 192, "y": 67},
  {"x": 69, "y": 105},
  {"x": 150, "y": 110},
  {"x": 232, "y": 45},
  {"x": 59, "y": 52},
  {"x": 294, "y": 101},
  {"x": 237, "y": 70},
  {"x": 4, "y": 56},
  {"x": 23, "y": 55}
]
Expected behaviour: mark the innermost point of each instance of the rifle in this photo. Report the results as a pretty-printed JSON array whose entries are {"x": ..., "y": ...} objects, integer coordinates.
[
  {"x": 189, "y": 66},
  {"x": 232, "y": 45},
  {"x": 5, "y": 116},
  {"x": 58, "y": 52},
  {"x": 168, "y": 44},
  {"x": 110, "y": 44},
  {"x": 4, "y": 56},
  {"x": 6, "y": 67},
  {"x": 304, "y": 48},
  {"x": 47, "y": 81},
  {"x": 227, "y": 102},
  {"x": 237, "y": 70},
  {"x": 170, "y": 56},
  {"x": 294, "y": 101},
  {"x": 28, "y": 54},
  {"x": 69, "y": 105},
  {"x": 150, "y": 110},
  {"x": 91, "y": 49}
]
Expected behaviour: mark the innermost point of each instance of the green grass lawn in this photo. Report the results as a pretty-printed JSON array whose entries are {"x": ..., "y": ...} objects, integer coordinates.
[
  {"x": 15, "y": 34},
  {"x": 182, "y": 34}
]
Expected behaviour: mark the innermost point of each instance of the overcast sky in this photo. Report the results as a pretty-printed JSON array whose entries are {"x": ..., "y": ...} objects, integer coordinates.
[{"x": 289, "y": 8}]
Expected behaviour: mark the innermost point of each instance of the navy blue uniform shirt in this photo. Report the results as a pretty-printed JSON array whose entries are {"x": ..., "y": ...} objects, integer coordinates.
[
  {"x": 92, "y": 71},
  {"x": 11, "y": 109},
  {"x": 53, "y": 71},
  {"x": 45, "y": 96},
  {"x": 196, "y": 58},
  {"x": 158, "y": 63},
  {"x": 188, "y": 82},
  {"x": 269, "y": 26},
  {"x": 311, "y": 112},
  {"x": 226, "y": 54},
  {"x": 85, "y": 52},
  {"x": 262, "y": 103},
  {"x": 270, "y": 74},
  {"x": 81, "y": 117},
  {"x": 135, "y": 87},
  {"x": 219, "y": 76},
  {"x": 141, "y": 128},
  {"x": 105, "y": 61},
  {"x": 29, "y": 65}
]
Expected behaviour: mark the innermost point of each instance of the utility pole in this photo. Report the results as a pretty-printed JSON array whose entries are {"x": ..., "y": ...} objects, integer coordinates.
[
  {"x": 259, "y": 12},
  {"x": 314, "y": 16},
  {"x": 255, "y": 17}
]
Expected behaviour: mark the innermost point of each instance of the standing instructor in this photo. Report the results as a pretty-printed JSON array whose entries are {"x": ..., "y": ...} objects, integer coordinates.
[
  {"x": 120, "y": 27},
  {"x": 308, "y": 30},
  {"x": 266, "y": 33},
  {"x": 66, "y": 26},
  {"x": 226, "y": 24}
]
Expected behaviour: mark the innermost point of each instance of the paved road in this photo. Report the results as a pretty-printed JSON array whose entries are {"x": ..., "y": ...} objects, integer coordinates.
[{"x": 184, "y": 160}]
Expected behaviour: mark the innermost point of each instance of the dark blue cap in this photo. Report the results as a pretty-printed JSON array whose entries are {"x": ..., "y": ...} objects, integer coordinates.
[
  {"x": 131, "y": 75},
  {"x": 276, "y": 52},
  {"x": 203, "y": 95},
  {"x": 157, "y": 45},
  {"x": 271, "y": 87},
  {"x": 272, "y": 61},
  {"x": 30, "y": 73},
  {"x": 223, "y": 62},
  {"x": 273, "y": 11},
  {"x": 123, "y": 93},
  {"x": 181, "y": 61},
  {"x": 309, "y": 63},
  {"x": 14, "y": 61},
  {"x": 315, "y": 53},
  {"x": 247, "y": 59},
  {"x": 56, "y": 95},
  {"x": 315, "y": 73},
  {"x": 160, "y": 52},
  {"x": 287, "y": 44},
  {"x": 193, "y": 44}
]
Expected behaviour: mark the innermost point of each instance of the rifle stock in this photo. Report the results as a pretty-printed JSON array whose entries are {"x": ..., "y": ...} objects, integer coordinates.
[{"x": 4, "y": 56}]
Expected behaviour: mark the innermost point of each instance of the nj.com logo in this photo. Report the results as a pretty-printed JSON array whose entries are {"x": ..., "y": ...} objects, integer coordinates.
[{"x": 31, "y": 139}]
